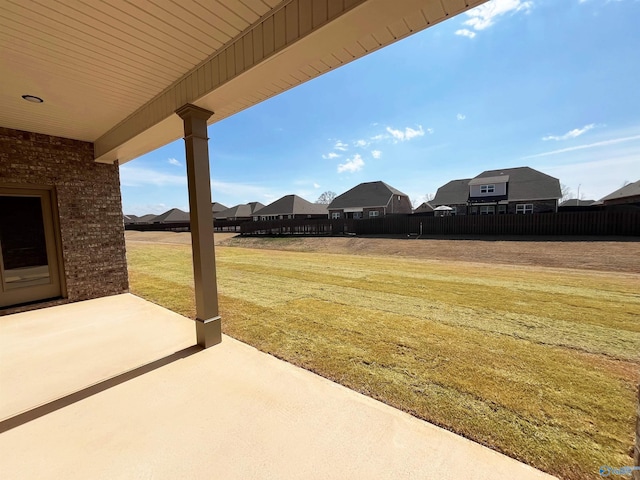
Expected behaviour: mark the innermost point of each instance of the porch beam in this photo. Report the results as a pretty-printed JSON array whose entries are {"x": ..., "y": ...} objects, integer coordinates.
[{"x": 208, "y": 325}]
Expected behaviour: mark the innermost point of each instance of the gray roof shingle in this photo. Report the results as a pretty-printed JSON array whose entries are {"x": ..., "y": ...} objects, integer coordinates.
[
  {"x": 218, "y": 207},
  {"x": 629, "y": 190},
  {"x": 525, "y": 183},
  {"x": 368, "y": 194},
  {"x": 456, "y": 192},
  {"x": 239, "y": 211},
  {"x": 292, "y": 205},
  {"x": 172, "y": 216}
]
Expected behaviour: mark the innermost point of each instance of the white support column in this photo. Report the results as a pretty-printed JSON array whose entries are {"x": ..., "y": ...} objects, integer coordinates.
[{"x": 208, "y": 328}]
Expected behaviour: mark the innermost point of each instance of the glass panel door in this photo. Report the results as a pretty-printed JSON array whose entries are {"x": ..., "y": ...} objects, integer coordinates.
[{"x": 28, "y": 255}]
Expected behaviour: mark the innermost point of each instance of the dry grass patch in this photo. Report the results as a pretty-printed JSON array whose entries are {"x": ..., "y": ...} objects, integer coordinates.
[{"x": 538, "y": 364}]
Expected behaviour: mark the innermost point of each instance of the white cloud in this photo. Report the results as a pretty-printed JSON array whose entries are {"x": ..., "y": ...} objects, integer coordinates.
[
  {"x": 131, "y": 176},
  {"x": 351, "y": 165},
  {"x": 485, "y": 15},
  {"x": 360, "y": 143},
  {"x": 465, "y": 33},
  {"x": 599, "y": 177},
  {"x": 315, "y": 185},
  {"x": 341, "y": 146},
  {"x": 407, "y": 134},
  {"x": 330, "y": 156},
  {"x": 175, "y": 162},
  {"x": 376, "y": 153},
  {"x": 604, "y": 143},
  {"x": 379, "y": 137},
  {"x": 576, "y": 132},
  {"x": 461, "y": 116},
  {"x": 430, "y": 131}
]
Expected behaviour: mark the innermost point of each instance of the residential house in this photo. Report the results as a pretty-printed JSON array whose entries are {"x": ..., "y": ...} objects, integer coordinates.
[
  {"x": 218, "y": 207},
  {"x": 243, "y": 211},
  {"x": 577, "y": 205},
  {"x": 519, "y": 190},
  {"x": 148, "y": 218},
  {"x": 627, "y": 195},
  {"x": 175, "y": 215},
  {"x": 130, "y": 219},
  {"x": 425, "y": 209},
  {"x": 289, "y": 207},
  {"x": 369, "y": 200},
  {"x": 454, "y": 194},
  {"x": 575, "y": 202}
]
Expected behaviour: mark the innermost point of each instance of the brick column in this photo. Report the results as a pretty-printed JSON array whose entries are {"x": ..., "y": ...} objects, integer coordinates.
[{"x": 208, "y": 328}]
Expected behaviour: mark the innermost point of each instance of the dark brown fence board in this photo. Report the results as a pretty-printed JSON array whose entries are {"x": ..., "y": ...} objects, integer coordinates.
[{"x": 594, "y": 223}]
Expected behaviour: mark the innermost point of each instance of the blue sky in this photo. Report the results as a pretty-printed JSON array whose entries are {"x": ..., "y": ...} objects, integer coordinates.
[{"x": 550, "y": 84}]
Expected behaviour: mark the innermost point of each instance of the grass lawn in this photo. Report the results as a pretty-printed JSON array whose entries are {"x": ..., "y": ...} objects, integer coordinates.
[{"x": 540, "y": 364}]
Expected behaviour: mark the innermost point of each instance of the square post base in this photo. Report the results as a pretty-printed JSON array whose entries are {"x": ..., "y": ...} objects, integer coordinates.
[{"x": 209, "y": 332}]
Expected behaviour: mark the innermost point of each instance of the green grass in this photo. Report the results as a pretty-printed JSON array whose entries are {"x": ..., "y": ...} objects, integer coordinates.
[{"x": 539, "y": 364}]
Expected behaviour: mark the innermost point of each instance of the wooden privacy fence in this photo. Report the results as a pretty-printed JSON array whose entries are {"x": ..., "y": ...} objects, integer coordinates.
[
  {"x": 159, "y": 227},
  {"x": 311, "y": 226},
  {"x": 572, "y": 223}
]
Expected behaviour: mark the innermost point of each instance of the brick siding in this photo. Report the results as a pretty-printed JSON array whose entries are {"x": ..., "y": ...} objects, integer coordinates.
[{"x": 88, "y": 203}]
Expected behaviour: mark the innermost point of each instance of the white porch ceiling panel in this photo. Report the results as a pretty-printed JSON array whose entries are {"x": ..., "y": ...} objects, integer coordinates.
[{"x": 113, "y": 72}]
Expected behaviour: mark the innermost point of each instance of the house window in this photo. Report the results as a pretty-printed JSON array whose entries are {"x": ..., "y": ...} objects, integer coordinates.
[
  {"x": 524, "y": 208},
  {"x": 357, "y": 214},
  {"x": 487, "y": 188},
  {"x": 474, "y": 210},
  {"x": 487, "y": 209},
  {"x": 335, "y": 215},
  {"x": 374, "y": 213},
  {"x": 502, "y": 209}
]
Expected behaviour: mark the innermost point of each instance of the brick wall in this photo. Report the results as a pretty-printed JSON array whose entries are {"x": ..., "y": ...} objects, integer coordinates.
[
  {"x": 88, "y": 203},
  {"x": 539, "y": 206},
  {"x": 401, "y": 205}
]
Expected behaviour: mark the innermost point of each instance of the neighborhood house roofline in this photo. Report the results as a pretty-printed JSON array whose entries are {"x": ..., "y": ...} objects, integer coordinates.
[
  {"x": 366, "y": 195},
  {"x": 291, "y": 205},
  {"x": 629, "y": 190},
  {"x": 488, "y": 180}
]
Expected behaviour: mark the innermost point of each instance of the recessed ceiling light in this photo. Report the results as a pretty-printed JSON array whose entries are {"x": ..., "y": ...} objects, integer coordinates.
[{"x": 32, "y": 98}]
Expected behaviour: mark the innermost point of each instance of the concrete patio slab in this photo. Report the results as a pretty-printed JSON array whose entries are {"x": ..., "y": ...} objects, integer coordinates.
[
  {"x": 49, "y": 353},
  {"x": 229, "y": 412}
]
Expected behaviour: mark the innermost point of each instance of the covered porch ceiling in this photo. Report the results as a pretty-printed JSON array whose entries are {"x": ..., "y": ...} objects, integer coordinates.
[{"x": 114, "y": 72}]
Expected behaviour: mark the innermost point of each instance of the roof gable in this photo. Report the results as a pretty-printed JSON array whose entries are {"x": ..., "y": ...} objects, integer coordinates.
[
  {"x": 456, "y": 192},
  {"x": 525, "y": 183},
  {"x": 368, "y": 194},
  {"x": 173, "y": 215},
  {"x": 218, "y": 207},
  {"x": 291, "y": 205},
  {"x": 629, "y": 190},
  {"x": 238, "y": 211}
]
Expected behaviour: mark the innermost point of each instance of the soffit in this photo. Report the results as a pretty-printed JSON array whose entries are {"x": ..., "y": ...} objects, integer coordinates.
[
  {"x": 113, "y": 72},
  {"x": 487, "y": 180},
  {"x": 96, "y": 63}
]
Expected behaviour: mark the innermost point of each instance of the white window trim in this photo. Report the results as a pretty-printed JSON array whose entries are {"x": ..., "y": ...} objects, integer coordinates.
[
  {"x": 524, "y": 208},
  {"x": 488, "y": 210},
  {"x": 489, "y": 188},
  {"x": 374, "y": 213},
  {"x": 335, "y": 215}
]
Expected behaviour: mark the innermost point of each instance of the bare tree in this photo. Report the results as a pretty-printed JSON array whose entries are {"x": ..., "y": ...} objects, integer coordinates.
[
  {"x": 567, "y": 193},
  {"x": 326, "y": 198},
  {"x": 427, "y": 197}
]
